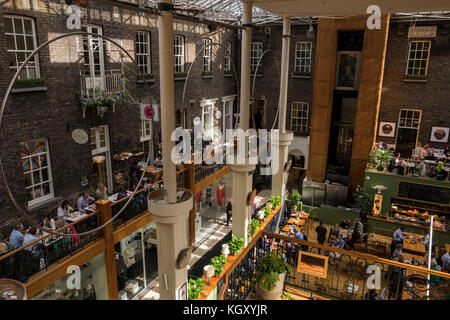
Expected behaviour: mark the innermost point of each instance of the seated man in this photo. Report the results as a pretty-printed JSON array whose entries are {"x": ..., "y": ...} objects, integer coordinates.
[
  {"x": 158, "y": 161},
  {"x": 345, "y": 224},
  {"x": 122, "y": 193},
  {"x": 17, "y": 236},
  {"x": 299, "y": 235},
  {"x": 84, "y": 201},
  {"x": 334, "y": 231},
  {"x": 30, "y": 237},
  {"x": 338, "y": 242}
]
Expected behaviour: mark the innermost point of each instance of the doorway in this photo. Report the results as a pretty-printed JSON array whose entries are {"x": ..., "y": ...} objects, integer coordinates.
[
  {"x": 94, "y": 64},
  {"x": 100, "y": 148},
  {"x": 407, "y": 131}
]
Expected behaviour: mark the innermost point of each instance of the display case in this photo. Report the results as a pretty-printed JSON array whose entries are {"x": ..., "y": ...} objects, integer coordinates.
[
  {"x": 418, "y": 213},
  {"x": 93, "y": 284}
]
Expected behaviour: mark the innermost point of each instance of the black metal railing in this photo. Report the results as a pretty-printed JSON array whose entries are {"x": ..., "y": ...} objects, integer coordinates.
[
  {"x": 139, "y": 203},
  {"x": 203, "y": 170},
  {"x": 37, "y": 256},
  {"x": 348, "y": 275}
]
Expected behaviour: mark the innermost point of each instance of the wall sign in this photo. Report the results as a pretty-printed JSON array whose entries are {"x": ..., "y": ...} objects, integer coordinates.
[
  {"x": 439, "y": 134},
  {"x": 147, "y": 112},
  {"x": 80, "y": 136},
  {"x": 386, "y": 129},
  {"x": 422, "y": 32}
]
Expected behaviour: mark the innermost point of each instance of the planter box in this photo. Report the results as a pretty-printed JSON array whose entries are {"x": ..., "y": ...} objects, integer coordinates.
[{"x": 275, "y": 294}]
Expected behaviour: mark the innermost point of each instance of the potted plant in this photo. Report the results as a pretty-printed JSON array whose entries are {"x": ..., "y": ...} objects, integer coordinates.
[
  {"x": 267, "y": 211},
  {"x": 235, "y": 245},
  {"x": 441, "y": 174},
  {"x": 275, "y": 201},
  {"x": 218, "y": 263},
  {"x": 293, "y": 199},
  {"x": 363, "y": 200},
  {"x": 195, "y": 288},
  {"x": 254, "y": 225},
  {"x": 270, "y": 274},
  {"x": 379, "y": 159}
]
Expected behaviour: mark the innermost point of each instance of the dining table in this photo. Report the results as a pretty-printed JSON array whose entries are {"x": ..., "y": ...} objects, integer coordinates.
[
  {"x": 298, "y": 222},
  {"x": 412, "y": 244},
  {"x": 113, "y": 198}
]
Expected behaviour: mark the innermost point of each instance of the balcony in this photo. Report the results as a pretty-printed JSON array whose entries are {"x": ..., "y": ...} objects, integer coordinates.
[{"x": 111, "y": 82}]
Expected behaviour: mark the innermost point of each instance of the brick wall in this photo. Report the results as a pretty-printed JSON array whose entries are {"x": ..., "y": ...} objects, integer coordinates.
[
  {"x": 48, "y": 113},
  {"x": 432, "y": 96}
]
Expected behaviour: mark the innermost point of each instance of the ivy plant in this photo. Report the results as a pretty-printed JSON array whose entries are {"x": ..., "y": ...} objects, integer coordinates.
[
  {"x": 218, "y": 263},
  {"x": 268, "y": 270},
  {"x": 195, "y": 288},
  {"x": 102, "y": 101},
  {"x": 362, "y": 199},
  {"x": 235, "y": 245}
]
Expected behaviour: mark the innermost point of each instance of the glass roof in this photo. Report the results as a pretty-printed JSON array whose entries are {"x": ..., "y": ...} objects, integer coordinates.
[{"x": 230, "y": 12}]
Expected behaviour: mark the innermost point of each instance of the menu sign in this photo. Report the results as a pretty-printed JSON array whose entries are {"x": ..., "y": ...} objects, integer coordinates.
[{"x": 422, "y": 192}]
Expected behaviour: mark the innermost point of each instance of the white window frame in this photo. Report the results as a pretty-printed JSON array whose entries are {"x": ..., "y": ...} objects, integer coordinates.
[
  {"x": 208, "y": 106},
  {"x": 306, "y": 47},
  {"x": 146, "y": 64},
  {"x": 228, "y": 52},
  {"x": 146, "y": 130},
  {"x": 408, "y": 118},
  {"x": 227, "y": 111},
  {"x": 36, "y": 201},
  {"x": 99, "y": 150},
  {"x": 256, "y": 53},
  {"x": 94, "y": 78},
  {"x": 207, "y": 65},
  {"x": 418, "y": 57},
  {"x": 27, "y": 51},
  {"x": 178, "y": 49},
  {"x": 296, "y": 120}
]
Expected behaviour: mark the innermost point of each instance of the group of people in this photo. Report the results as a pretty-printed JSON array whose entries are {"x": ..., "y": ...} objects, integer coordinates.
[{"x": 345, "y": 240}]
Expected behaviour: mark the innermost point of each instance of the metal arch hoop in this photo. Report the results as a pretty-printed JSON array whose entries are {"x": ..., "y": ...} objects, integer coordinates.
[
  {"x": 195, "y": 59},
  {"x": 2, "y": 109},
  {"x": 254, "y": 81}
]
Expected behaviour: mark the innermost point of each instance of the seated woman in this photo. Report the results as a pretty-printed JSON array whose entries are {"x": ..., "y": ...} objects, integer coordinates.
[
  {"x": 49, "y": 222},
  {"x": 101, "y": 192}
]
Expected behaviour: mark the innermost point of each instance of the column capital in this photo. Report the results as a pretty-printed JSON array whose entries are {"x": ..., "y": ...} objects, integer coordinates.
[
  {"x": 169, "y": 213},
  {"x": 281, "y": 138},
  {"x": 242, "y": 167}
]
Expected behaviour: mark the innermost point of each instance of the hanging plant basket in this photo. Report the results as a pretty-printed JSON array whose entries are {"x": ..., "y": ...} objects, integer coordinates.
[{"x": 102, "y": 102}]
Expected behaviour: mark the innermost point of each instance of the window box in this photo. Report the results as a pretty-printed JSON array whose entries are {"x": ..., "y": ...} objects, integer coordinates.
[
  {"x": 414, "y": 77},
  {"x": 302, "y": 74},
  {"x": 180, "y": 75},
  {"x": 207, "y": 74},
  {"x": 34, "y": 84},
  {"x": 228, "y": 73},
  {"x": 147, "y": 77},
  {"x": 258, "y": 74}
]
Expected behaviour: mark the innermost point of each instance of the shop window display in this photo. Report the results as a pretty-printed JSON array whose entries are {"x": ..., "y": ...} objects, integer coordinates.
[
  {"x": 93, "y": 284},
  {"x": 136, "y": 261}
]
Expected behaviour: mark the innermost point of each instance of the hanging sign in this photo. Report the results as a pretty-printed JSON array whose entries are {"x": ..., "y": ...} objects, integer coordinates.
[{"x": 149, "y": 111}]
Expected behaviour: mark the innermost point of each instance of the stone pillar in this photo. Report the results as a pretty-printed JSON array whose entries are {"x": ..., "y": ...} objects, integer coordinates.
[
  {"x": 280, "y": 143},
  {"x": 284, "y": 73},
  {"x": 242, "y": 186},
  {"x": 167, "y": 99},
  {"x": 170, "y": 221}
]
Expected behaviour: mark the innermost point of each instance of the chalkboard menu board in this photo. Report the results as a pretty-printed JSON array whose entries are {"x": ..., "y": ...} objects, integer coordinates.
[{"x": 422, "y": 192}]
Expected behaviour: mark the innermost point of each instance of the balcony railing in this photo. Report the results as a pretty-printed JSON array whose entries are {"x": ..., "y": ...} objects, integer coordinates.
[
  {"x": 111, "y": 82},
  {"x": 346, "y": 276},
  {"x": 35, "y": 257},
  {"x": 139, "y": 204}
]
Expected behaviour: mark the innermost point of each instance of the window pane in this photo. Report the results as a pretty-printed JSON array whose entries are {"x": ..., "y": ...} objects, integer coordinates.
[
  {"x": 18, "y": 25},
  {"x": 8, "y": 25}
]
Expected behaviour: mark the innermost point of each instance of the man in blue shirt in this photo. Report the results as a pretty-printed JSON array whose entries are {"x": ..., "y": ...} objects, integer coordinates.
[
  {"x": 398, "y": 238},
  {"x": 84, "y": 201},
  {"x": 299, "y": 235},
  {"x": 16, "y": 237}
]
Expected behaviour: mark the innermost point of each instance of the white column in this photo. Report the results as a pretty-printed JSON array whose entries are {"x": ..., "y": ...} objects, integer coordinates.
[
  {"x": 167, "y": 100},
  {"x": 284, "y": 73},
  {"x": 246, "y": 48},
  {"x": 281, "y": 139},
  {"x": 242, "y": 183}
]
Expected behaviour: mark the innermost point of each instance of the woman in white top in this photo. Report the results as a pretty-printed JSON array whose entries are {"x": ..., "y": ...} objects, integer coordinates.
[
  {"x": 64, "y": 209},
  {"x": 49, "y": 222}
]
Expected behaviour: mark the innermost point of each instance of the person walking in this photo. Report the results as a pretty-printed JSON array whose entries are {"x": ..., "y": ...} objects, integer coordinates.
[{"x": 229, "y": 210}]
